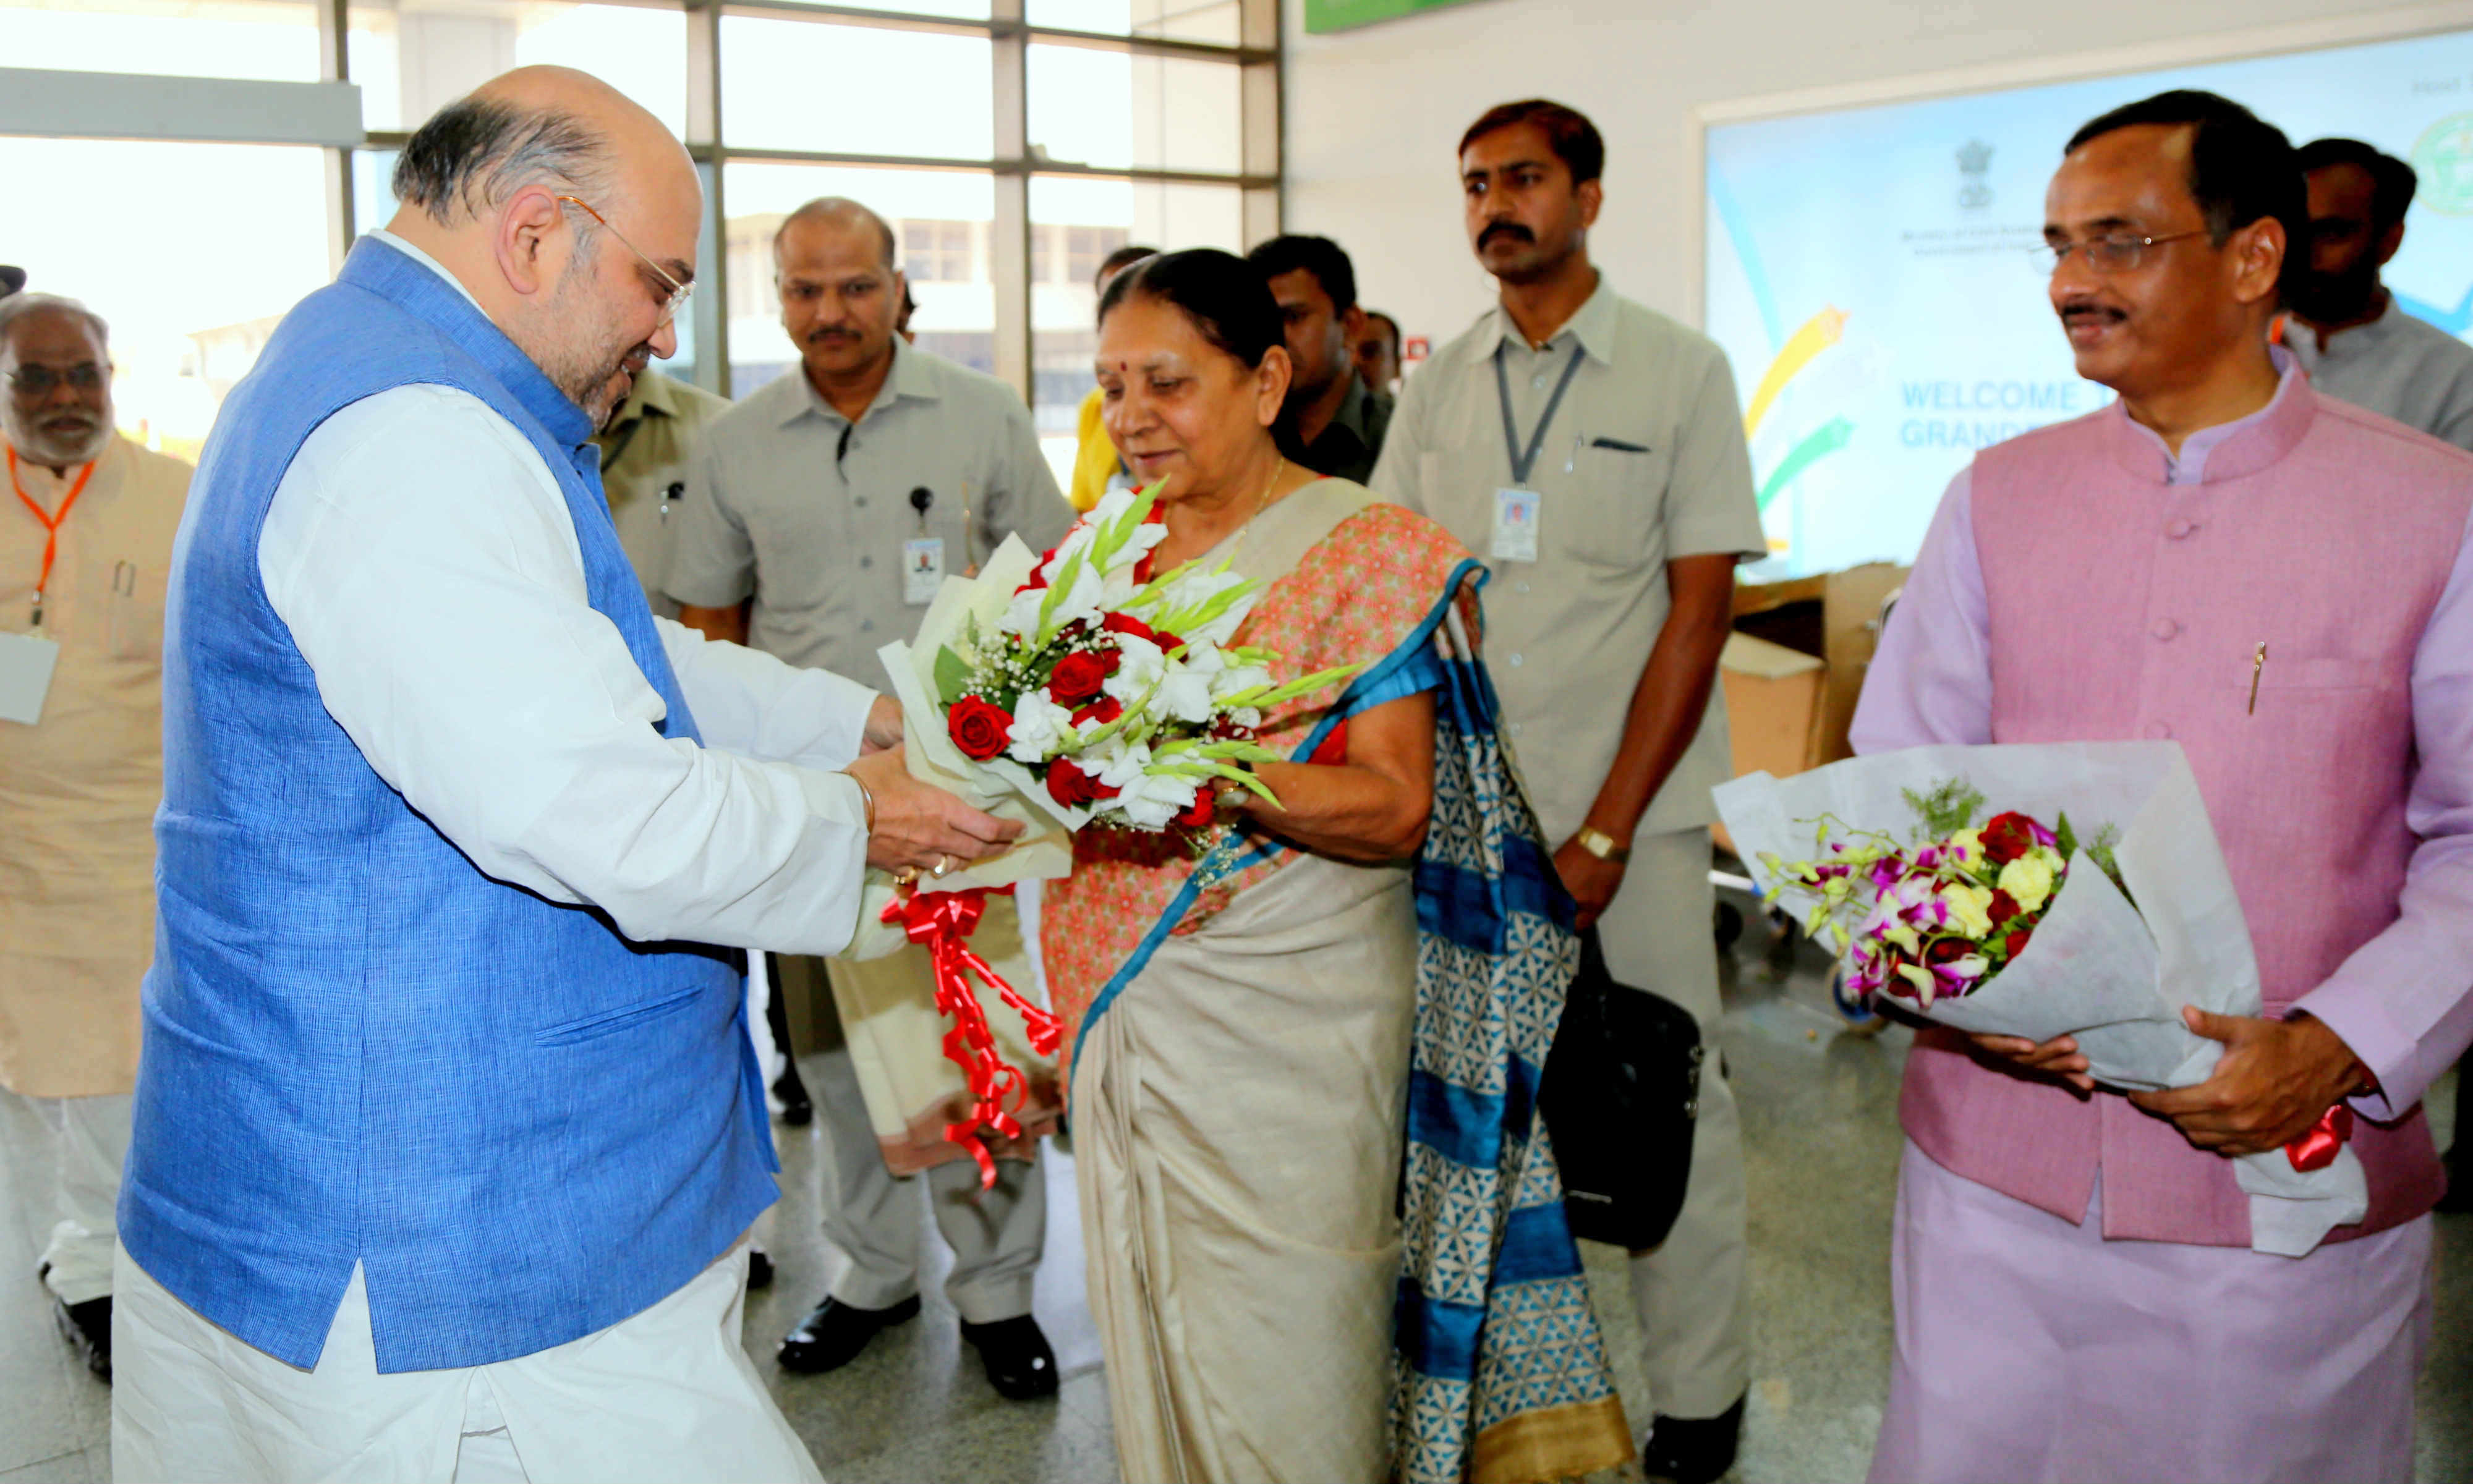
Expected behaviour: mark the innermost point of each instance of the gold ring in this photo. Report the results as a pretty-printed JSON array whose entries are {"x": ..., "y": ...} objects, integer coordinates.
[
  {"x": 905, "y": 876},
  {"x": 944, "y": 865}
]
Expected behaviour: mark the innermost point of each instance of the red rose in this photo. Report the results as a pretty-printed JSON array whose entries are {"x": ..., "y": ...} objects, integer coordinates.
[
  {"x": 979, "y": 728},
  {"x": 1204, "y": 808},
  {"x": 1127, "y": 623},
  {"x": 1105, "y": 709},
  {"x": 1069, "y": 785},
  {"x": 1947, "y": 950},
  {"x": 2003, "y": 907},
  {"x": 1079, "y": 675},
  {"x": 2016, "y": 943},
  {"x": 2007, "y": 837}
]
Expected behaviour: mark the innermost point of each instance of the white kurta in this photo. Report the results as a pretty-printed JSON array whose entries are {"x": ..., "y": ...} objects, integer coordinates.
[
  {"x": 77, "y": 789},
  {"x": 421, "y": 555}
]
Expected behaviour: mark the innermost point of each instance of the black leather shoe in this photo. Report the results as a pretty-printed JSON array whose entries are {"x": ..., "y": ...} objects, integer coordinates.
[
  {"x": 832, "y": 1336},
  {"x": 1021, "y": 1366},
  {"x": 791, "y": 1089},
  {"x": 760, "y": 1269},
  {"x": 1692, "y": 1451},
  {"x": 87, "y": 1327}
]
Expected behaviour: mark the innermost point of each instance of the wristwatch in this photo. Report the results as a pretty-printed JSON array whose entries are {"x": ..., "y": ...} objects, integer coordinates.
[{"x": 1604, "y": 846}]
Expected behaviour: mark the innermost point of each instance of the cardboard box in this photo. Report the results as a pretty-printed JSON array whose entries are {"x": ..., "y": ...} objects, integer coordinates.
[
  {"x": 1773, "y": 703},
  {"x": 1833, "y": 618}
]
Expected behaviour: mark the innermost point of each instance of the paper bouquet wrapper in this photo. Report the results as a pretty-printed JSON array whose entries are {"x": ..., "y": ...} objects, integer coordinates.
[
  {"x": 1045, "y": 849},
  {"x": 882, "y": 986},
  {"x": 895, "y": 1035},
  {"x": 2111, "y": 974}
]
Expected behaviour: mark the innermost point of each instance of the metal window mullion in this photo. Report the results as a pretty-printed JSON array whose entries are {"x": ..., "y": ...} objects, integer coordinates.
[
  {"x": 710, "y": 304},
  {"x": 334, "y": 65},
  {"x": 1263, "y": 128},
  {"x": 1009, "y": 235}
]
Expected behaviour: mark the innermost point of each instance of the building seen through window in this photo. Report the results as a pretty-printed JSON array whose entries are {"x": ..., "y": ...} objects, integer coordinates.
[{"x": 1134, "y": 134}]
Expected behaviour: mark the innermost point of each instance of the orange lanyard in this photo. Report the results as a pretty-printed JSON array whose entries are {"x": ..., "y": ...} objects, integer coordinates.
[{"x": 51, "y": 525}]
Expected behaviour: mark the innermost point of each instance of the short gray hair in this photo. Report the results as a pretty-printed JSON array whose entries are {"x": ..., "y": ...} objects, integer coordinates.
[
  {"x": 476, "y": 152},
  {"x": 16, "y": 306}
]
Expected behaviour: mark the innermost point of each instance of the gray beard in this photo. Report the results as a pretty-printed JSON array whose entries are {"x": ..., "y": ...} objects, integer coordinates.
[{"x": 36, "y": 448}]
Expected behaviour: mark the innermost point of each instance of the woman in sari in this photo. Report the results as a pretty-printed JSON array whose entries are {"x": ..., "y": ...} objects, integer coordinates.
[{"x": 1298, "y": 1146}]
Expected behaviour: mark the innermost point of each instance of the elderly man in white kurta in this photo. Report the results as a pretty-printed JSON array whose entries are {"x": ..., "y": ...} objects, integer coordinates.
[{"x": 86, "y": 541}]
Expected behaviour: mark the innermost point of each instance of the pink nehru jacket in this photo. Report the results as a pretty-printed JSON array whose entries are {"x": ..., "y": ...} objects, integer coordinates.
[{"x": 2081, "y": 585}]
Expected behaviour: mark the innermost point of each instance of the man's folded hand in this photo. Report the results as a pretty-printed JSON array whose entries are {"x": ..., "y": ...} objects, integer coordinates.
[{"x": 920, "y": 826}]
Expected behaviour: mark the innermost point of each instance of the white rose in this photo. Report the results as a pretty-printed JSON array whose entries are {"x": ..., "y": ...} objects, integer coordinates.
[
  {"x": 1143, "y": 662},
  {"x": 1151, "y": 802},
  {"x": 1039, "y": 723},
  {"x": 1185, "y": 696}
]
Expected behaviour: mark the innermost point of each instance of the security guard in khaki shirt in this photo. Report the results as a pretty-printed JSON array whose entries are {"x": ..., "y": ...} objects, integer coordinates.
[
  {"x": 646, "y": 451},
  {"x": 87, "y": 524},
  {"x": 837, "y": 497},
  {"x": 1592, "y": 451}
]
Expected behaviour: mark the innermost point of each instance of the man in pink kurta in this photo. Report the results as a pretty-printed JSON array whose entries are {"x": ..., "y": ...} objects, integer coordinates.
[{"x": 2283, "y": 585}]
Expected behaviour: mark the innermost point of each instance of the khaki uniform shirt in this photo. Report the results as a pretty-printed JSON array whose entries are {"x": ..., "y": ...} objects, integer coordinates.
[
  {"x": 791, "y": 502},
  {"x": 644, "y": 457},
  {"x": 77, "y": 790},
  {"x": 2398, "y": 367},
  {"x": 1643, "y": 462}
]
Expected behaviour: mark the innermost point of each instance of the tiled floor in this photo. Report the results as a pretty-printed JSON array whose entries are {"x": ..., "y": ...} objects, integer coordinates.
[{"x": 1818, "y": 1120}]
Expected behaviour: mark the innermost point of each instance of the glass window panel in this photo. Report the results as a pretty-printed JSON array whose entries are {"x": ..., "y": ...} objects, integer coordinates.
[
  {"x": 1216, "y": 21},
  {"x": 1091, "y": 219},
  {"x": 181, "y": 332},
  {"x": 958, "y": 10},
  {"x": 260, "y": 40},
  {"x": 375, "y": 204},
  {"x": 948, "y": 210},
  {"x": 793, "y": 84},
  {"x": 410, "y": 61},
  {"x": 1109, "y": 108}
]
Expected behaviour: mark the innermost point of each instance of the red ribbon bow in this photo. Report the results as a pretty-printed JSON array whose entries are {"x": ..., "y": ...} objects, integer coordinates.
[
  {"x": 2317, "y": 1149},
  {"x": 942, "y": 921}
]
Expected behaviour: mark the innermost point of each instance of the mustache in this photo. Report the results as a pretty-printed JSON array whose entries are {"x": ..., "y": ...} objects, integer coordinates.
[
  {"x": 2083, "y": 311},
  {"x": 832, "y": 332},
  {"x": 1511, "y": 229}
]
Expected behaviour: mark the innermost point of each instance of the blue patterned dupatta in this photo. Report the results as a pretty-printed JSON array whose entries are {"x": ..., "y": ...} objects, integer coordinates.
[{"x": 1499, "y": 1373}]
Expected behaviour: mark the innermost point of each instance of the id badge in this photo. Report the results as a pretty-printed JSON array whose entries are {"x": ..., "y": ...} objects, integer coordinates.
[
  {"x": 1515, "y": 525},
  {"x": 923, "y": 569},
  {"x": 26, "y": 664}
]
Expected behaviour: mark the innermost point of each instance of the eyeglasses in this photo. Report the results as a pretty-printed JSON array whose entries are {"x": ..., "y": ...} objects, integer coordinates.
[
  {"x": 41, "y": 380},
  {"x": 678, "y": 290},
  {"x": 2115, "y": 253}
]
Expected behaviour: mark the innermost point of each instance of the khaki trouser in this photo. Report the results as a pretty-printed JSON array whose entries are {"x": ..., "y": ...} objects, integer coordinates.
[
  {"x": 871, "y": 1215},
  {"x": 1690, "y": 1291}
]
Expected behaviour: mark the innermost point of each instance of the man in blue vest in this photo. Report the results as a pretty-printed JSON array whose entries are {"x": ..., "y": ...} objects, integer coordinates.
[{"x": 447, "y": 1129}]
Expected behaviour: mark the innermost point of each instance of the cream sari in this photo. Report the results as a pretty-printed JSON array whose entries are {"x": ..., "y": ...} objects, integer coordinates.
[{"x": 1240, "y": 1089}]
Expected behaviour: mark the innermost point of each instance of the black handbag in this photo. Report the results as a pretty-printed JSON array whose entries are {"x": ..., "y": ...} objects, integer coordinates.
[{"x": 1620, "y": 1096}]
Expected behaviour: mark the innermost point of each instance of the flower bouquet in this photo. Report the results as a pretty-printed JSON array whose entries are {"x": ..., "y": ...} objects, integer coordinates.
[
  {"x": 1074, "y": 689},
  {"x": 2017, "y": 928},
  {"x": 1113, "y": 692}
]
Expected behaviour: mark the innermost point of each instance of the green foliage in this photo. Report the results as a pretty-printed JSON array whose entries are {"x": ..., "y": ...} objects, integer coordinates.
[
  {"x": 953, "y": 676},
  {"x": 1949, "y": 807}
]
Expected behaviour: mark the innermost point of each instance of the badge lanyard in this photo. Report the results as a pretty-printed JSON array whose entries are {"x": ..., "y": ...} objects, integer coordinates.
[
  {"x": 1522, "y": 461},
  {"x": 51, "y": 525}
]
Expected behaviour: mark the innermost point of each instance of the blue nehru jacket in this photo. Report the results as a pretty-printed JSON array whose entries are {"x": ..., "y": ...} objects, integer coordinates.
[{"x": 359, "y": 1048}]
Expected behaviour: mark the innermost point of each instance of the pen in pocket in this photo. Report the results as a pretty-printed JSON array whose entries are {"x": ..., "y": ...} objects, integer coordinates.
[{"x": 2257, "y": 668}]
